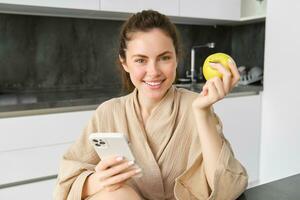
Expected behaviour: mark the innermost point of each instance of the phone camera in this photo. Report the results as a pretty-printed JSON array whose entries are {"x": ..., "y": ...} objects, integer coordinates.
[{"x": 100, "y": 143}]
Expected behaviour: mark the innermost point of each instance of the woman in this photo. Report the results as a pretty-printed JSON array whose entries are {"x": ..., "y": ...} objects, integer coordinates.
[{"x": 175, "y": 136}]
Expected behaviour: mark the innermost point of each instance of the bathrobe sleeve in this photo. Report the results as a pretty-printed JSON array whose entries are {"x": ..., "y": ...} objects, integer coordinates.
[
  {"x": 230, "y": 179},
  {"x": 79, "y": 161}
]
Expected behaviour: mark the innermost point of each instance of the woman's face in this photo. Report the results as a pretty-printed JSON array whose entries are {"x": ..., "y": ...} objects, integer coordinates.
[{"x": 151, "y": 62}]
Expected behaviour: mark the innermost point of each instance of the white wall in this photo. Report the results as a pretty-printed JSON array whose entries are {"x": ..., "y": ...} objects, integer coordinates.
[{"x": 280, "y": 141}]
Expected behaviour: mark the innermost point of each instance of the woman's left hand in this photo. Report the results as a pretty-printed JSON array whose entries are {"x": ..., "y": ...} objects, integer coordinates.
[{"x": 216, "y": 88}]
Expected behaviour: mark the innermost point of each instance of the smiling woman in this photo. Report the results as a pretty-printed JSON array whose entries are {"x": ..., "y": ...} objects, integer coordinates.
[
  {"x": 151, "y": 65},
  {"x": 142, "y": 24},
  {"x": 175, "y": 136}
]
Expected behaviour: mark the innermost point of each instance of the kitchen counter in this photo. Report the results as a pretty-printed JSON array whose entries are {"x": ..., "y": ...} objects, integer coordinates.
[
  {"x": 32, "y": 103},
  {"x": 239, "y": 90},
  {"x": 284, "y": 189}
]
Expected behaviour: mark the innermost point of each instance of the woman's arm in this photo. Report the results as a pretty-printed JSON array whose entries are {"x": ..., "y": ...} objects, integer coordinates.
[{"x": 210, "y": 140}]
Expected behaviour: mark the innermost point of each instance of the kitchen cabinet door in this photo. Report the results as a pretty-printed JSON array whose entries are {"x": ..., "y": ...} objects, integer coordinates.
[
  {"x": 167, "y": 7},
  {"x": 41, "y": 130},
  {"x": 36, "y": 144},
  {"x": 213, "y": 9},
  {"x": 32, "y": 163},
  {"x": 72, "y": 4},
  {"x": 241, "y": 118}
]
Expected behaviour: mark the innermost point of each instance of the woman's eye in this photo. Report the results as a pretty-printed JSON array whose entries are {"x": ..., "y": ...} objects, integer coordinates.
[
  {"x": 165, "y": 57},
  {"x": 140, "y": 60}
]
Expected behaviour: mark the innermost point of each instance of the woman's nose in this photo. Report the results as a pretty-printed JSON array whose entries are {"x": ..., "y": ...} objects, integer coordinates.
[{"x": 153, "y": 68}]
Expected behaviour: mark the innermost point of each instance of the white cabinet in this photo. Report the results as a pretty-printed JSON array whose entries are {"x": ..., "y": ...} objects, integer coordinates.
[
  {"x": 34, "y": 191},
  {"x": 25, "y": 132},
  {"x": 253, "y": 9},
  {"x": 72, "y": 4},
  {"x": 241, "y": 117},
  {"x": 213, "y": 9},
  {"x": 167, "y": 7},
  {"x": 31, "y": 163},
  {"x": 31, "y": 146},
  {"x": 180, "y": 11}
]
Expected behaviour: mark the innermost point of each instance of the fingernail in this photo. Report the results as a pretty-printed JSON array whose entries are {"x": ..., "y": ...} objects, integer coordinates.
[
  {"x": 138, "y": 170},
  {"x": 130, "y": 163},
  {"x": 119, "y": 158},
  {"x": 212, "y": 64}
]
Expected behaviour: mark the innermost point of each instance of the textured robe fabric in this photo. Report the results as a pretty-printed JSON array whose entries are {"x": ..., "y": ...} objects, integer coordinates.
[{"x": 167, "y": 148}]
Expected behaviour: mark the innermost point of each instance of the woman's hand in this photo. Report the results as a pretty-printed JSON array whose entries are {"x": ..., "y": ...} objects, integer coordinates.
[
  {"x": 110, "y": 174},
  {"x": 216, "y": 89}
]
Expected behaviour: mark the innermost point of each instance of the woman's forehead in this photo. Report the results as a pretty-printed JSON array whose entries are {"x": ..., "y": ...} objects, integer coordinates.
[{"x": 154, "y": 41}]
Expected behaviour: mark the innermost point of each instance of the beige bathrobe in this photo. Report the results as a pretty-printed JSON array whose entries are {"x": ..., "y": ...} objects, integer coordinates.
[{"x": 167, "y": 148}]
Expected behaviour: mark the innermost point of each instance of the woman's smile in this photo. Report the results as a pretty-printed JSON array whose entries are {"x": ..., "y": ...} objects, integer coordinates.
[{"x": 154, "y": 84}]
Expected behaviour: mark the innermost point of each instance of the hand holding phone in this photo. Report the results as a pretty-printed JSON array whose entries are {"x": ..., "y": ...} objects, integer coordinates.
[
  {"x": 116, "y": 166},
  {"x": 110, "y": 174}
]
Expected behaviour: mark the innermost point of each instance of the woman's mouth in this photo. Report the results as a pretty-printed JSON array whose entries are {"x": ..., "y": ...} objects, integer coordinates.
[{"x": 153, "y": 84}]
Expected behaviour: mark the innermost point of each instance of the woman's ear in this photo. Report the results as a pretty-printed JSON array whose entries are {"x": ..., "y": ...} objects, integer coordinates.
[{"x": 123, "y": 63}]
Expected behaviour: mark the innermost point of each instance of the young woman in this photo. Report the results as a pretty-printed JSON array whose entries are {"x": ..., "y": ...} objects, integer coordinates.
[{"x": 175, "y": 136}]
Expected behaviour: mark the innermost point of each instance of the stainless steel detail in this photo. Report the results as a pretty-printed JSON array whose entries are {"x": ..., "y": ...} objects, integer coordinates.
[{"x": 208, "y": 45}]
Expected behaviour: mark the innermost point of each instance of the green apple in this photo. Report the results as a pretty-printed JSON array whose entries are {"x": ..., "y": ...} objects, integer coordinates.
[{"x": 210, "y": 72}]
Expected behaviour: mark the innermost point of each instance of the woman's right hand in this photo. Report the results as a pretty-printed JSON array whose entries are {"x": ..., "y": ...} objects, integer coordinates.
[{"x": 110, "y": 174}]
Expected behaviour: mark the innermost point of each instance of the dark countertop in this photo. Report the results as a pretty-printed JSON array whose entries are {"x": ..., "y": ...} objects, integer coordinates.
[
  {"x": 53, "y": 99},
  {"x": 240, "y": 90},
  {"x": 283, "y": 189},
  {"x": 28, "y": 103}
]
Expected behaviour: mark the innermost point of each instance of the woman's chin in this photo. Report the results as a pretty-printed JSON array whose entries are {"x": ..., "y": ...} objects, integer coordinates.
[{"x": 154, "y": 93}]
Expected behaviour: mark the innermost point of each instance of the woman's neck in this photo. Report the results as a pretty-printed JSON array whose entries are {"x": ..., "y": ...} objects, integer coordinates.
[{"x": 146, "y": 106}]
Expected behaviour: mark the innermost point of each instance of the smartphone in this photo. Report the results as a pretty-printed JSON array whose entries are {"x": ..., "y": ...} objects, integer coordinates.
[{"x": 110, "y": 144}]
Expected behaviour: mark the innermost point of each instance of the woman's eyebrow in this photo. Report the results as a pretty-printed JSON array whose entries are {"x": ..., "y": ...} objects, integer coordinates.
[
  {"x": 139, "y": 55},
  {"x": 144, "y": 56},
  {"x": 165, "y": 52}
]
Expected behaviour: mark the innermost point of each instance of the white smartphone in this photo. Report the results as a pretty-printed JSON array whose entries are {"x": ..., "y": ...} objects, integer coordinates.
[{"x": 110, "y": 144}]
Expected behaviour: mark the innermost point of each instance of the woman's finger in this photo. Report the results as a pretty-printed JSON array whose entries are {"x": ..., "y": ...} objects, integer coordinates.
[
  {"x": 212, "y": 91},
  {"x": 120, "y": 177},
  {"x": 108, "y": 162},
  {"x": 226, "y": 75},
  {"x": 234, "y": 71},
  {"x": 117, "y": 169},
  {"x": 219, "y": 86},
  {"x": 204, "y": 91}
]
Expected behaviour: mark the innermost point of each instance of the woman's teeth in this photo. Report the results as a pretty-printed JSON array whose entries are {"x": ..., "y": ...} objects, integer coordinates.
[{"x": 153, "y": 83}]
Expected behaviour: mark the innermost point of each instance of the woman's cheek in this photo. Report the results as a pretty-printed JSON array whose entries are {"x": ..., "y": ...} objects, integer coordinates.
[
  {"x": 139, "y": 74},
  {"x": 171, "y": 70}
]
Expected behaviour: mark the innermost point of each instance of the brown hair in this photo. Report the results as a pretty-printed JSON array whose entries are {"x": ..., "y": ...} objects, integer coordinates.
[{"x": 145, "y": 21}]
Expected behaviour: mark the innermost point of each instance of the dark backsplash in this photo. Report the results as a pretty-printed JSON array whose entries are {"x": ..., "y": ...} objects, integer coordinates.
[
  {"x": 248, "y": 44},
  {"x": 52, "y": 53}
]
